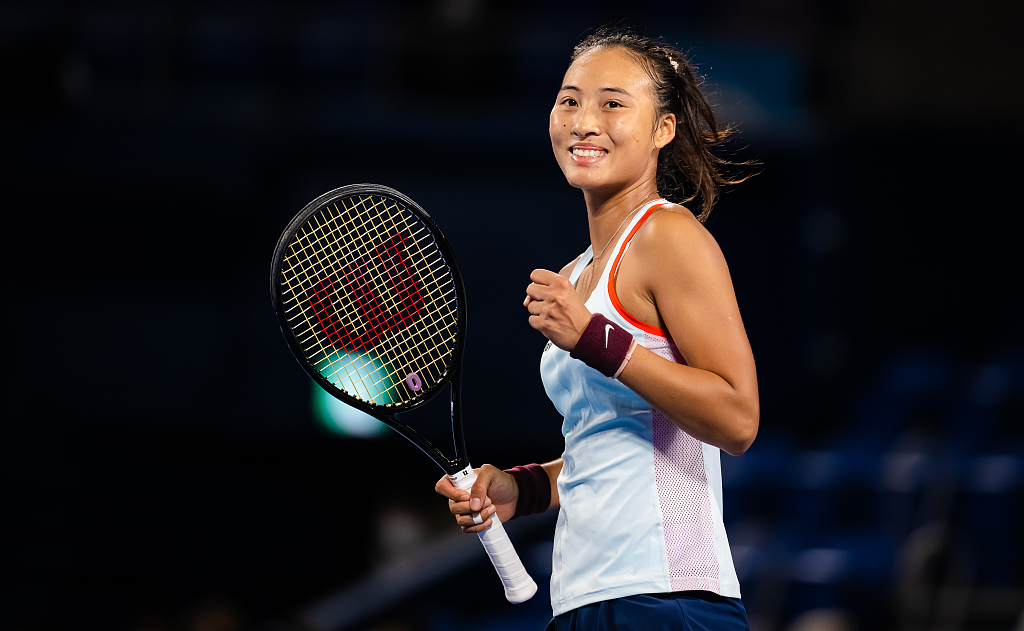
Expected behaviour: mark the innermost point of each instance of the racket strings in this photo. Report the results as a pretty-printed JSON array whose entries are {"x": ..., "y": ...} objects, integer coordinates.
[
  {"x": 334, "y": 261},
  {"x": 370, "y": 278},
  {"x": 298, "y": 302},
  {"x": 380, "y": 234},
  {"x": 319, "y": 271},
  {"x": 402, "y": 302},
  {"x": 447, "y": 336},
  {"x": 417, "y": 334},
  {"x": 359, "y": 374},
  {"x": 365, "y": 378},
  {"x": 317, "y": 268},
  {"x": 400, "y": 348}
]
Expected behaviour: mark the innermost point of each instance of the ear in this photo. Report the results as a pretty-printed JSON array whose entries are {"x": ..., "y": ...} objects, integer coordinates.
[{"x": 665, "y": 130}]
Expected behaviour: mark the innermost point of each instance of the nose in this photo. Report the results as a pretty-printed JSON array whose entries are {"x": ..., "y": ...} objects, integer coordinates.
[{"x": 585, "y": 123}]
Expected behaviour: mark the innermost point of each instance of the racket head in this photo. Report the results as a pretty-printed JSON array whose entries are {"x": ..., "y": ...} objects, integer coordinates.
[{"x": 370, "y": 299}]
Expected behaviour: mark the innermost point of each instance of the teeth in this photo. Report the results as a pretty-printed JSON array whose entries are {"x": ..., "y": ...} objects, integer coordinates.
[{"x": 587, "y": 153}]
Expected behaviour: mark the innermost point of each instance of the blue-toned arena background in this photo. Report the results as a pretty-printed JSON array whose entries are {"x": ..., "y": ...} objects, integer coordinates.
[{"x": 164, "y": 465}]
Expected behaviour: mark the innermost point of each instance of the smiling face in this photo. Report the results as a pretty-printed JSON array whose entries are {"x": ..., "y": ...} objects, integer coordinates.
[{"x": 604, "y": 129}]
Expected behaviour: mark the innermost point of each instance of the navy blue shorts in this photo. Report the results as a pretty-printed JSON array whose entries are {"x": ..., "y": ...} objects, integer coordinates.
[{"x": 678, "y": 611}]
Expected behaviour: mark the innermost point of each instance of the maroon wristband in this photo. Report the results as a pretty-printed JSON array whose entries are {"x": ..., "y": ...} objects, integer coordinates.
[
  {"x": 603, "y": 346},
  {"x": 534, "y": 489}
]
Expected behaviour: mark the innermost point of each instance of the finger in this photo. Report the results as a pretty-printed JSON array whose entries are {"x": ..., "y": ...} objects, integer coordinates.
[
  {"x": 471, "y": 527},
  {"x": 536, "y": 307},
  {"x": 544, "y": 276},
  {"x": 539, "y": 292},
  {"x": 478, "y": 529},
  {"x": 445, "y": 487},
  {"x": 478, "y": 494},
  {"x": 526, "y": 303},
  {"x": 475, "y": 518},
  {"x": 462, "y": 508}
]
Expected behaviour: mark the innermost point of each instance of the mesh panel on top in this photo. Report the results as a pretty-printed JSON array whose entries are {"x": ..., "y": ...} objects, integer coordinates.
[{"x": 687, "y": 519}]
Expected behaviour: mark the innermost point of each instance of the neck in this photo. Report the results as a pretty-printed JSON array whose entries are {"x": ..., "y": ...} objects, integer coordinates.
[{"x": 607, "y": 214}]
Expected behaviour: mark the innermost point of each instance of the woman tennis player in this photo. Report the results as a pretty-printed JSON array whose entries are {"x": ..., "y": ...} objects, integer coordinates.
[{"x": 647, "y": 359}]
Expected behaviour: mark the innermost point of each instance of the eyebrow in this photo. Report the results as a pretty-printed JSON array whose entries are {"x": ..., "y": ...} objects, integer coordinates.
[{"x": 616, "y": 90}]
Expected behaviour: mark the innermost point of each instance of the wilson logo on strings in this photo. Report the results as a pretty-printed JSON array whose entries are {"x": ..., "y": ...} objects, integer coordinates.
[{"x": 388, "y": 267}]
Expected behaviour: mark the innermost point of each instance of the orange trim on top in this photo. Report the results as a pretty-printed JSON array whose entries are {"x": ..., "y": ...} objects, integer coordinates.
[{"x": 643, "y": 326}]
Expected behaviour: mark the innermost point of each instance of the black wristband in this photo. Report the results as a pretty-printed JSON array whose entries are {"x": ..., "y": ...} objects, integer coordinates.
[{"x": 534, "y": 489}]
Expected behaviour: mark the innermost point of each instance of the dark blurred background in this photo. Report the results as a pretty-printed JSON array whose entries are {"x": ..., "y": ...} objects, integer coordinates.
[{"x": 161, "y": 462}]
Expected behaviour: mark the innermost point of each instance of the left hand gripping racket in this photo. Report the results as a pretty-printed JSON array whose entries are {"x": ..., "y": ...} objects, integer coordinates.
[{"x": 372, "y": 304}]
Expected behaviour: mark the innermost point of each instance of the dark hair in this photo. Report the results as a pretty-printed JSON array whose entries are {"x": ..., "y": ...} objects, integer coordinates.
[{"x": 687, "y": 159}]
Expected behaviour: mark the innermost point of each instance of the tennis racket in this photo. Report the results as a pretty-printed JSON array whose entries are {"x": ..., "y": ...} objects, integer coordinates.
[{"x": 372, "y": 305}]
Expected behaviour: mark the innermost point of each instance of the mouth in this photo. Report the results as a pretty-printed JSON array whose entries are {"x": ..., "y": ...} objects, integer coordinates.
[
  {"x": 581, "y": 152},
  {"x": 587, "y": 153}
]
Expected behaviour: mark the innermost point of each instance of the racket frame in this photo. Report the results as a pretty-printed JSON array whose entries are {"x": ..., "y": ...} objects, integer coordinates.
[{"x": 453, "y": 376}]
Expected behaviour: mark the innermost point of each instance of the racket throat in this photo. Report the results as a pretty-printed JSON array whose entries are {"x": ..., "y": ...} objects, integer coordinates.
[{"x": 461, "y": 461}]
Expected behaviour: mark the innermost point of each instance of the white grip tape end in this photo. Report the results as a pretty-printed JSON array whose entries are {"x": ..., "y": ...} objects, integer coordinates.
[{"x": 519, "y": 586}]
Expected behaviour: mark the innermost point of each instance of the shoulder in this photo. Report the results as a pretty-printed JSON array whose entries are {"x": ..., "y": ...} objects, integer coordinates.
[
  {"x": 675, "y": 253},
  {"x": 672, "y": 232}
]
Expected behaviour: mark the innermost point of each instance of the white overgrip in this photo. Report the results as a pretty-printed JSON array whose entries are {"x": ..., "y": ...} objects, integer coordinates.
[{"x": 519, "y": 586}]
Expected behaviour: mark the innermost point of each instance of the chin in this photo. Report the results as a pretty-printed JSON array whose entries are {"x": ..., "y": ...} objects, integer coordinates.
[
  {"x": 584, "y": 181},
  {"x": 588, "y": 184},
  {"x": 583, "y": 186}
]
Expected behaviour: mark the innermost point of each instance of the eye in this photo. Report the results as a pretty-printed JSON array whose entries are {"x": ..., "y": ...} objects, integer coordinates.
[
  {"x": 613, "y": 104},
  {"x": 571, "y": 102}
]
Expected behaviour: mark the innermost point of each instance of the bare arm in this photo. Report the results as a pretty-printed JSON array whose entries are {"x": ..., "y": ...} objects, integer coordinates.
[
  {"x": 714, "y": 397},
  {"x": 678, "y": 267}
]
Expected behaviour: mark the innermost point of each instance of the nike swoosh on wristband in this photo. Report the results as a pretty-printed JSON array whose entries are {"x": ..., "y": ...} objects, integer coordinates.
[{"x": 607, "y": 329}]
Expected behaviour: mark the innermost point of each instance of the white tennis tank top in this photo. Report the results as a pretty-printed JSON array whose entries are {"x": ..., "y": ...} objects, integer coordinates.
[{"x": 641, "y": 500}]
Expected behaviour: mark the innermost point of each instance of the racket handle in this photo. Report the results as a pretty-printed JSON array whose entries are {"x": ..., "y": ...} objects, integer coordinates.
[{"x": 519, "y": 586}]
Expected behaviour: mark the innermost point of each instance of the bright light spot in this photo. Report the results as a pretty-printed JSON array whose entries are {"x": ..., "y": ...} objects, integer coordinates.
[
  {"x": 360, "y": 376},
  {"x": 341, "y": 418}
]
